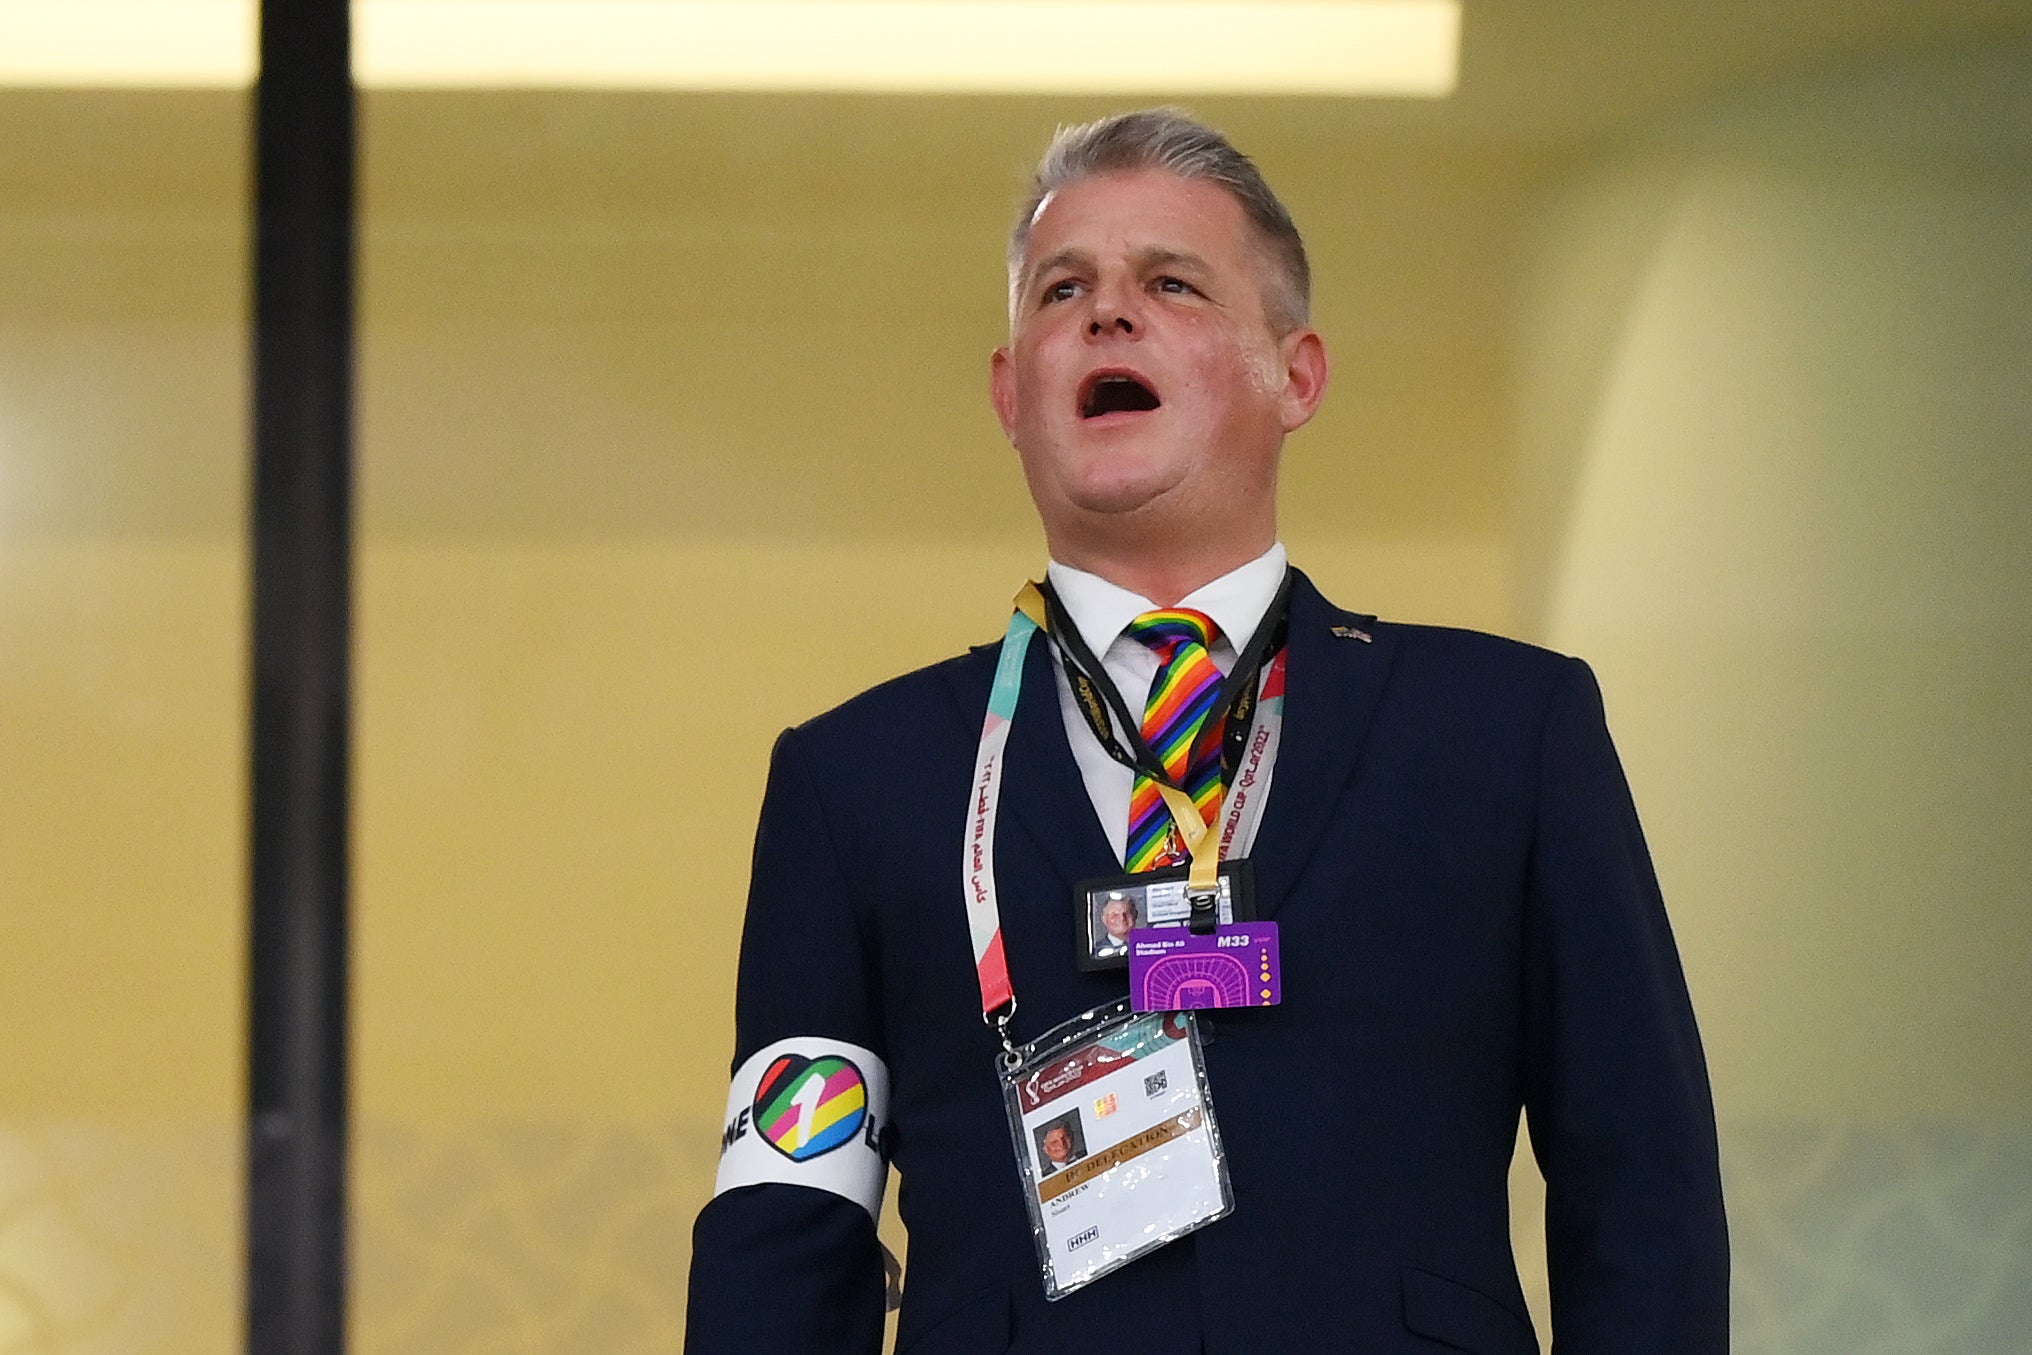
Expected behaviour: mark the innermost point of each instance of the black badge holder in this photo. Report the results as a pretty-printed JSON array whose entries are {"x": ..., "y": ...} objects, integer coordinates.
[{"x": 1159, "y": 898}]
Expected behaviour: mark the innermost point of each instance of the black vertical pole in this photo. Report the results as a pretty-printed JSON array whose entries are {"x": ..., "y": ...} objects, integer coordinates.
[{"x": 302, "y": 622}]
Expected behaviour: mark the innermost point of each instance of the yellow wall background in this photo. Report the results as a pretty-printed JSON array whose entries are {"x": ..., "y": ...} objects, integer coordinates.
[
  {"x": 662, "y": 396},
  {"x": 1776, "y": 357},
  {"x": 122, "y": 621}
]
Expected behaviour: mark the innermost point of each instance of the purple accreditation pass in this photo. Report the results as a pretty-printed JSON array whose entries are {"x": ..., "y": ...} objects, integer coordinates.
[{"x": 1172, "y": 970}]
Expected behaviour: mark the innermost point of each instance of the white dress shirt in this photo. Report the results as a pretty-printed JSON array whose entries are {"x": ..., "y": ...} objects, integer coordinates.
[{"x": 1101, "y": 611}]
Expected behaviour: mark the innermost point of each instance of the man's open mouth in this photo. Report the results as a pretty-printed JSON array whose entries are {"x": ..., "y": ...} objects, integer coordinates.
[{"x": 1115, "y": 393}]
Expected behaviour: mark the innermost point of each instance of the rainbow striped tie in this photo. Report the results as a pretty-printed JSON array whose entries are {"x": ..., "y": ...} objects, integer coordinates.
[{"x": 1180, "y": 696}]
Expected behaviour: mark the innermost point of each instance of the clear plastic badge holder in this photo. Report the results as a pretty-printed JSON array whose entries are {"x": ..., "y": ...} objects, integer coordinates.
[{"x": 1115, "y": 1138}]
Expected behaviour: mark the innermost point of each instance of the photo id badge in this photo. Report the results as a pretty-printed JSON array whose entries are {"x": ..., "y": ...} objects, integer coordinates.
[
  {"x": 1171, "y": 969},
  {"x": 1114, "y": 907},
  {"x": 1115, "y": 1140}
]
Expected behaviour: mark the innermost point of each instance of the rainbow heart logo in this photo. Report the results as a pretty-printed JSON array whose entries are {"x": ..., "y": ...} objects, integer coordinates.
[{"x": 804, "y": 1107}]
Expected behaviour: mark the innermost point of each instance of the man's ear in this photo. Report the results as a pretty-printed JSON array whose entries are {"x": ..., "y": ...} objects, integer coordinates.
[
  {"x": 1306, "y": 370},
  {"x": 1002, "y": 390}
]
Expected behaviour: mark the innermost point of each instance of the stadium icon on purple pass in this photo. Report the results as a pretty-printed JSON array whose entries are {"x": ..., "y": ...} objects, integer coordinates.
[{"x": 1186, "y": 982}]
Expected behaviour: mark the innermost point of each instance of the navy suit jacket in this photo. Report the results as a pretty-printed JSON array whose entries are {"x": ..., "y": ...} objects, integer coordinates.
[{"x": 1470, "y": 926}]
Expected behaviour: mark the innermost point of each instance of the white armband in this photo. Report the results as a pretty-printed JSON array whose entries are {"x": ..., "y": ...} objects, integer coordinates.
[{"x": 809, "y": 1111}]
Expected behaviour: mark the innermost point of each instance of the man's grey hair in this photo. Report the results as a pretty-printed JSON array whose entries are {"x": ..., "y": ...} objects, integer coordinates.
[{"x": 1167, "y": 139}]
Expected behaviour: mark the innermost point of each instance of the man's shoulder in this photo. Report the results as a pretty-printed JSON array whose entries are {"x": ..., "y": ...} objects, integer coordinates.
[
  {"x": 1466, "y": 677},
  {"x": 929, "y": 698},
  {"x": 1455, "y": 648},
  {"x": 1479, "y": 693},
  {"x": 1473, "y": 650},
  {"x": 1479, "y": 679}
]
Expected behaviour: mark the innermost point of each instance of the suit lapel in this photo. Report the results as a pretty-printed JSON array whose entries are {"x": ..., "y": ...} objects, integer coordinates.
[
  {"x": 1332, "y": 686},
  {"x": 1043, "y": 793},
  {"x": 1333, "y": 683}
]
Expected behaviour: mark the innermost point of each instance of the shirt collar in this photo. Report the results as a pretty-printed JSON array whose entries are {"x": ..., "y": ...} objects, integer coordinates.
[{"x": 1237, "y": 601}]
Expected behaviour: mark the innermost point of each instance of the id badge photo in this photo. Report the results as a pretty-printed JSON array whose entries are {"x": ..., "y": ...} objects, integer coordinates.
[
  {"x": 1115, "y": 1141},
  {"x": 1113, "y": 907}
]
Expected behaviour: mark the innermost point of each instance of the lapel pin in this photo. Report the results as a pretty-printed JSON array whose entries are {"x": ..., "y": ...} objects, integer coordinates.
[{"x": 1354, "y": 633}]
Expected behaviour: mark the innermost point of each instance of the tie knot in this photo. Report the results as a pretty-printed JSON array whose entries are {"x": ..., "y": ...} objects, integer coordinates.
[{"x": 1167, "y": 628}]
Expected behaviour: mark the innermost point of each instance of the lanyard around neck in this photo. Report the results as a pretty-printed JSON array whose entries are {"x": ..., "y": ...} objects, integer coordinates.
[
  {"x": 1102, "y": 704},
  {"x": 1239, "y": 803}
]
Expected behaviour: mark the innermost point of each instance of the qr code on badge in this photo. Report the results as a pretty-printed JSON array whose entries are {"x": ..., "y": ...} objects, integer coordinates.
[{"x": 1153, "y": 1084}]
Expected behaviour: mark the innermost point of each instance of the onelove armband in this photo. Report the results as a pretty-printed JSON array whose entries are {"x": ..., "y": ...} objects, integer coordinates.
[{"x": 809, "y": 1111}]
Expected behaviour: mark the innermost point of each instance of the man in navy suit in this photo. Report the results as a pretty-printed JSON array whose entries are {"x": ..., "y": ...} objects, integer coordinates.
[{"x": 1470, "y": 924}]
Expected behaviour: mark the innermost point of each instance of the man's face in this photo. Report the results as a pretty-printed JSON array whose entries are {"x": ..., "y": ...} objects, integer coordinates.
[
  {"x": 1142, "y": 375},
  {"x": 1058, "y": 1144},
  {"x": 1119, "y": 917}
]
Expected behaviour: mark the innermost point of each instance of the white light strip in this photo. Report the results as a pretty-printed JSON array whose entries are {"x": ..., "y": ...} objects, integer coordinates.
[
  {"x": 127, "y": 43},
  {"x": 948, "y": 46},
  {"x": 1144, "y": 47}
]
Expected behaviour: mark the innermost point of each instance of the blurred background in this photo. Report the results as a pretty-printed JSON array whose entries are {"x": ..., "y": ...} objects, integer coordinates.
[{"x": 1692, "y": 339}]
